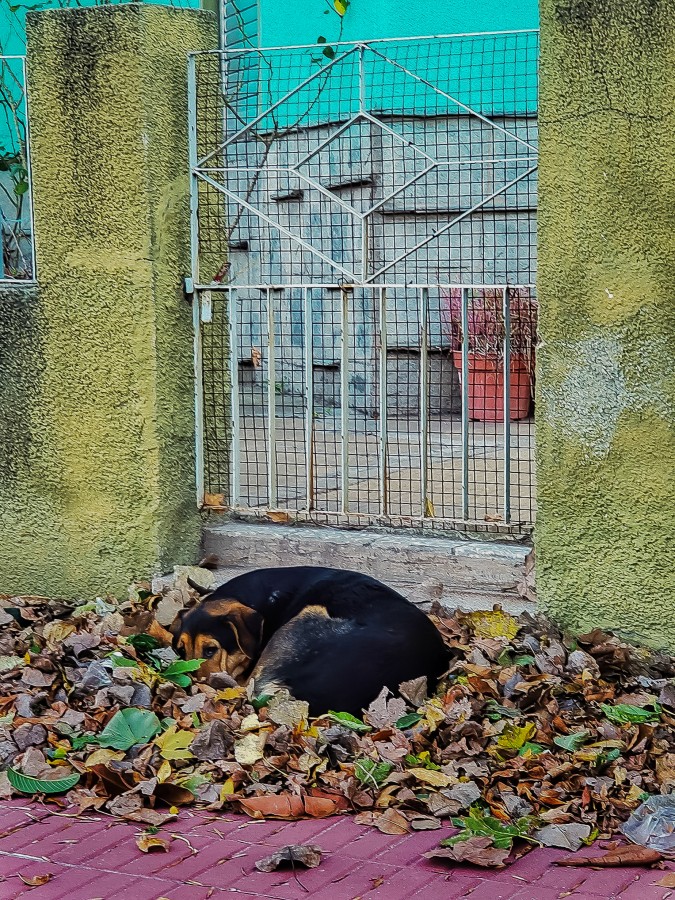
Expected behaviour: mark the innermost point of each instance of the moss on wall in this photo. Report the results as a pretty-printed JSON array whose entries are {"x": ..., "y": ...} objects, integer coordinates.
[
  {"x": 606, "y": 379},
  {"x": 102, "y": 490}
]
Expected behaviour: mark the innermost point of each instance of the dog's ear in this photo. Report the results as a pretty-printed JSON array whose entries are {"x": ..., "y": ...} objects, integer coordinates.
[{"x": 247, "y": 625}]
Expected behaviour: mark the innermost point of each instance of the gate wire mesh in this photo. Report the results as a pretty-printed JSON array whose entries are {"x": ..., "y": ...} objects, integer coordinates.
[{"x": 364, "y": 239}]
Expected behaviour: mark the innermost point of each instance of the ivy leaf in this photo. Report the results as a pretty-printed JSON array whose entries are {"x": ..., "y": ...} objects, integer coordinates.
[
  {"x": 29, "y": 785},
  {"x": 128, "y": 727},
  {"x": 530, "y": 748},
  {"x": 371, "y": 773},
  {"x": 349, "y": 721},
  {"x": 329, "y": 52},
  {"x": 573, "y": 741},
  {"x": 176, "y": 671},
  {"x": 341, "y": 6},
  {"x": 624, "y": 713},
  {"x": 408, "y": 721},
  {"x": 174, "y": 743},
  {"x": 495, "y": 624}
]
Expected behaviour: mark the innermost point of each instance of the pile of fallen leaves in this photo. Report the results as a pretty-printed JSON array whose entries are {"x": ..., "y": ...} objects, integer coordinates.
[{"x": 534, "y": 738}]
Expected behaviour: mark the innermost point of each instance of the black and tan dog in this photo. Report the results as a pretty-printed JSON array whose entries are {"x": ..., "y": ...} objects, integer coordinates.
[{"x": 331, "y": 637}]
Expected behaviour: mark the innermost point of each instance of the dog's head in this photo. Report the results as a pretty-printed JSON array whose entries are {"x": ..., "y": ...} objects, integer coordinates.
[{"x": 224, "y": 633}]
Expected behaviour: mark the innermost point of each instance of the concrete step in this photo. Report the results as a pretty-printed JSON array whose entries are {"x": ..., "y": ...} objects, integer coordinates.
[{"x": 468, "y": 574}]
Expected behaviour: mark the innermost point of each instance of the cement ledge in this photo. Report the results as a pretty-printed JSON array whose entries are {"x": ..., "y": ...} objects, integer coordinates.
[{"x": 468, "y": 574}]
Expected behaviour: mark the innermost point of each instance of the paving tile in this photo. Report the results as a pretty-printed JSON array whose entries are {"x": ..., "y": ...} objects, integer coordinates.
[
  {"x": 306, "y": 831},
  {"x": 286, "y": 885},
  {"x": 410, "y": 849},
  {"x": 400, "y": 885},
  {"x": 449, "y": 887},
  {"x": 207, "y": 866},
  {"x": 644, "y": 888},
  {"x": 491, "y": 889},
  {"x": 360, "y": 881}
]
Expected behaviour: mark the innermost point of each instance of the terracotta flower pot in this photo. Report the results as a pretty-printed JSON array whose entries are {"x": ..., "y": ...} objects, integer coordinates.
[{"x": 486, "y": 386}]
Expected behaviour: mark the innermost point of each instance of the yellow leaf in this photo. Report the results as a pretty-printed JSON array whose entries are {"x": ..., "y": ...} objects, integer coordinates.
[
  {"x": 432, "y": 777},
  {"x": 26, "y": 659},
  {"x": 57, "y": 631},
  {"x": 514, "y": 736},
  {"x": 164, "y": 771},
  {"x": 434, "y": 713},
  {"x": 103, "y": 757},
  {"x": 173, "y": 744},
  {"x": 249, "y": 749},
  {"x": 227, "y": 790},
  {"x": 493, "y": 624},
  {"x": 340, "y": 6},
  {"x": 173, "y": 810},
  {"x": 429, "y": 509},
  {"x": 230, "y": 693}
]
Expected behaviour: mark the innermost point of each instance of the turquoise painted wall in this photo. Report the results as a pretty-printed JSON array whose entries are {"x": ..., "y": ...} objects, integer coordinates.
[{"x": 302, "y": 22}]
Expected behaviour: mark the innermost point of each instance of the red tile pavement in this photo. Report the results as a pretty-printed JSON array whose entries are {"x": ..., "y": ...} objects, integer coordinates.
[{"x": 94, "y": 857}]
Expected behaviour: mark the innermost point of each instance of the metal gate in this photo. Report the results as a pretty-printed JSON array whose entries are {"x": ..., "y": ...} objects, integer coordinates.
[{"x": 363, "y": 258}]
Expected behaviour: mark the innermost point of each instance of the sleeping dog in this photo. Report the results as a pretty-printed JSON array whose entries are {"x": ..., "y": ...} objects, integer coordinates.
[{"x": 331, "y": 637}]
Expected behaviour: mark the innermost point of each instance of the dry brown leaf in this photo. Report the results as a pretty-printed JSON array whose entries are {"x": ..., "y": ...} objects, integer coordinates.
[
  {"x": 476, "y": 850},
  {"x": 667, "y": 880},
  {"x": 151, "y": 842},
  {"x": 35, "y": 880},
  {"x": 306, "y": 855},
  {"x": 392, "y": 822},
  {"x": 631, "y": 855}
]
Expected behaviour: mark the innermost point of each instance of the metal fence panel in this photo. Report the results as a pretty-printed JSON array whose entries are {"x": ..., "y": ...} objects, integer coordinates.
[{"x": 364, "y": 223}]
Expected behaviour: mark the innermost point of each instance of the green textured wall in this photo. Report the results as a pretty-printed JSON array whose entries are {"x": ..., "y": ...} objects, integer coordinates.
[
  {"x": 606, "y": 379},
  {"x": 98, "y": 470}
]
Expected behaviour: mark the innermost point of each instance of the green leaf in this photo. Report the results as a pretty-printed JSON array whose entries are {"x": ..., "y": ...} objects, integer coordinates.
[
  {"x": 349, "y": 721},
  {"x": 494, "y": 711},
  {"x": 531, "y": 749},
  {"x": 623, "y": 713},
  {"x": 408, "y": 721},
  {"x": 20, "y": 188},
  {"x": 29, "y": 785},
  {"x": 329, "y": 52},
  {"x": 123, "y": 662},
  {"x": 369, "y": 772},
  {"x": 341, "y": 6},
  {"x": 143, "y": 643},
  {"x": 572, "y": 741},
  {"x": 321, "y": 39},
  {"x": 260, "y": 701},
  {"x": 182, "y": 665},
  {"x": 477, "y": 824},
  {"x": 128, "y": 727}
]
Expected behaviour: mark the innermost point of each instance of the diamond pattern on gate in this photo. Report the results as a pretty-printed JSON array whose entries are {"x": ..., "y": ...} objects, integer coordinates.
[{"x": 317, "y": 182}]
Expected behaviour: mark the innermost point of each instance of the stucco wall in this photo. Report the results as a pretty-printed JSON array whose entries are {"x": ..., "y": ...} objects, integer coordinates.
[
  {"x": 101, "y": 488},
  {"x": 606, "y": 379}
]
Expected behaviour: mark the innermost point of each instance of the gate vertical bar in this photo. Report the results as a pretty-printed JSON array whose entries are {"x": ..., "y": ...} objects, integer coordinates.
[
  {"x": 235, "y": 447},
  {"x": 365, "y": 242},
  {"x": 506, "y": 310},
  {"x": 344, "y": 400},
  {"x": 309, "y": 388},
  {"x": 465, "y": 402},
  {"x": 424, "y": 397},
  {"x": 383, "y": 472},
  {"x": 199, "y": 397},
  {"x": 271, "y": 405}
]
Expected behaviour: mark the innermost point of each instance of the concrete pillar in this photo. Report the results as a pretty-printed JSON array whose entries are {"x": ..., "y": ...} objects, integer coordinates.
[
  {"x": 606, "y": 367},
  {"x": 97, "y": 481}
]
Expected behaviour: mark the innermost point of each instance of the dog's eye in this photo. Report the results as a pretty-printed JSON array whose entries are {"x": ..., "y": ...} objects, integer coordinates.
[{"x": 210, "y": 652}]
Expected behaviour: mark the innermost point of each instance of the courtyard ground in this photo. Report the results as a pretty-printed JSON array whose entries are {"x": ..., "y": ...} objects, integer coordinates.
[{"x": 95, "y": 857}]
